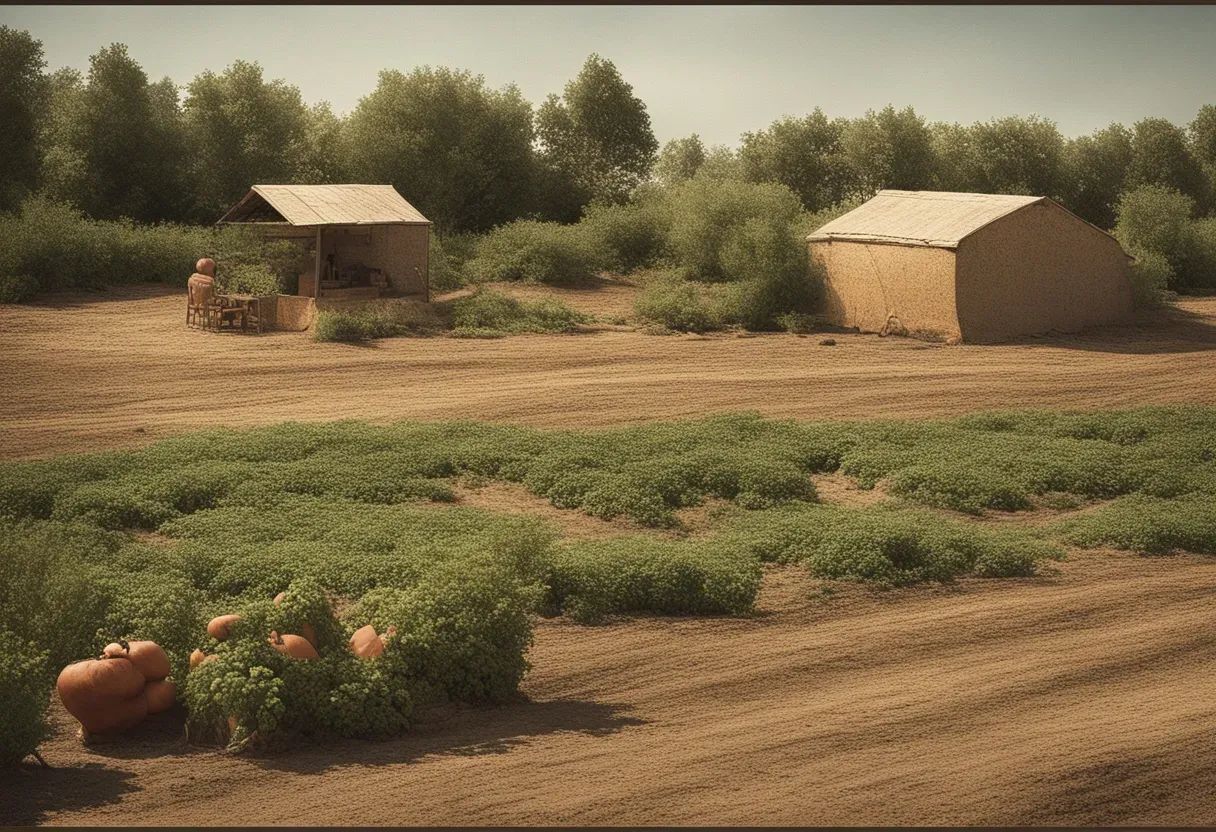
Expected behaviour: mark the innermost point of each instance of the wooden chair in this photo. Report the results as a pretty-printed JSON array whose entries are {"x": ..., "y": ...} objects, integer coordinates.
[{"x": 204, "y": 308}]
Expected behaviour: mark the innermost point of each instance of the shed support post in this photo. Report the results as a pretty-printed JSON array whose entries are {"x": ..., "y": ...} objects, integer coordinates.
[{"x": 316, "y": 292}]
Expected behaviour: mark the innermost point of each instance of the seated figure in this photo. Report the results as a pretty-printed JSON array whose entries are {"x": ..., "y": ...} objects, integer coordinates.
[{"x": 200, "y": 290}]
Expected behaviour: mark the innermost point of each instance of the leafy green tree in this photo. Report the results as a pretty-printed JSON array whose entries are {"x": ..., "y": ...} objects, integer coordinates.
[
  {"x": 1160, "y": 156},
  {"x": 242, "y": 131},
  {"x": 804, "y": 154},
  {"x": 1016, "y": 155},
  {"x": 679, "y": 160},
  {"x": 459, "y": 151},
  {"x": 596, "y": 138},
  {"x": 889, "y": 149},
  {"x": 954, "y": 153},
  {"x": 1202, "y": 134},
  {"x": 22, "y": 91},
  {"x": 323, "y": 157},
  {"x": 1096, "y": 169},
  {"x": 114, "y": 143}
]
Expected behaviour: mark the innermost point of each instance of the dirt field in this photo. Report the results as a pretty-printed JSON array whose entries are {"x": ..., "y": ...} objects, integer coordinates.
[
  {"x": 103, "y": 371},
  {"x": 1078, "y": 698},
  {"x": 1083, "y": 698}
]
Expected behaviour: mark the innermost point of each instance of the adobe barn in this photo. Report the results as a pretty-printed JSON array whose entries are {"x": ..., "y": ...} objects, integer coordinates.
[
  {"x": 365, "y": 240},
  {"x": 977, "y": 267}
]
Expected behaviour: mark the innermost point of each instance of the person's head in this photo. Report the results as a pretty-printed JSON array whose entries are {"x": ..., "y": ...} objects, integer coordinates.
[{"x": 205, "y": 266}]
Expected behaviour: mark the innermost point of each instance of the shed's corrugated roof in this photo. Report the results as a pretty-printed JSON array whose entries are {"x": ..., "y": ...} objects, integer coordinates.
[
  {"x": 329, "y": 205},
  {"x": 921, "y": 218}
]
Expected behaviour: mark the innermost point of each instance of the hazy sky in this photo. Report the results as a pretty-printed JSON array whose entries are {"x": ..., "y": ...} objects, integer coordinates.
[{"x": 713, "y": 70}]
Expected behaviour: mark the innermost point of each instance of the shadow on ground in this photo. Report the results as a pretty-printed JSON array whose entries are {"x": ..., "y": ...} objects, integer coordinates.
[
  {"x": 30, "y": 792},
  {"x": 1170, "y": 329},
  {"x": 459, "y": 731}
]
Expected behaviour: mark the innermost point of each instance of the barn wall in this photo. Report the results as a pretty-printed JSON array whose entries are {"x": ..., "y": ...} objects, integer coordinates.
[
  {"x": 402, "y": 251},
  {"x": 1037, "y": 270},
  {"x": 868, "y": 283}
]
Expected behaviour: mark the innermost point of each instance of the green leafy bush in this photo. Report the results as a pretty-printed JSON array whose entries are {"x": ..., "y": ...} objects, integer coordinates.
[
  {"x": 680, "y": 305},
  {"x": 449, "y": 254},
  {"x": 487, "y": 310},
  {"x": 50, "y": 246},
  {"x": 377, "y": 319},
  {"x": 890, "y": 546},
  {"x": 629, "y": 237},
  {"x": 1149, "y": 525},
  {"x": 708, "y": 218},
  {"x": 642, "y": 574},
  {"x": 535, "y": 252},
  {"x": 25, "y": 687}
]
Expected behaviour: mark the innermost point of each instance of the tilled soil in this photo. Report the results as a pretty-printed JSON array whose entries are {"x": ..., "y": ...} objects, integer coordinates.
[
  {"x": 93, "y": 371},
  {"x": 1082, "y": 698},
  {"x": 1078, "y": 698}
]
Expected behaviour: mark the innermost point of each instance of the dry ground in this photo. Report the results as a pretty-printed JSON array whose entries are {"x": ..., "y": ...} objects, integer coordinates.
[
  {"x": 1078, "y": 698},
  {"x": 1083, "y": 698},
  {"x": 110, "y": 370}
]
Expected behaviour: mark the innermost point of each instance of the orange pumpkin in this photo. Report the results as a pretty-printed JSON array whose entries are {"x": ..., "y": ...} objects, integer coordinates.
[
  {"x": 297, "y": 647},
  {"x": 197, "y": 658},
  {"x": 105, "y": 695},
  {"x": 161, "y": 694},
  {"x": 147, "y": 656},
  {"x": 306, "y": 629},
  {"x": 365, "y": 643},
  {"x": 219, "y": 627}
]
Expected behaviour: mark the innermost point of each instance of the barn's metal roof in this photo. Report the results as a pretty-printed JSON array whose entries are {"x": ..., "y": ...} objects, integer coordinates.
[
  {"x": 940, "y": 219},
  {"x": 316, "y": 205}
]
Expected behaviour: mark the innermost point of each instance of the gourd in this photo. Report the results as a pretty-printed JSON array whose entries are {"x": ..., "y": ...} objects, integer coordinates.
[
  {"x": 161, "y": 694},
  {"x": 105, "y": 695},
  {"x": 219, "y": 627},
  {"x": 147, "y": 656},
  {"x": 365, "y": 643},
  {"x": 297, "y": 647}
]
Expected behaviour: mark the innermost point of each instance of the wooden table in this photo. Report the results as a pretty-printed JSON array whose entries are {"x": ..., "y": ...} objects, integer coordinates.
[{"x": 252, "y": 305}]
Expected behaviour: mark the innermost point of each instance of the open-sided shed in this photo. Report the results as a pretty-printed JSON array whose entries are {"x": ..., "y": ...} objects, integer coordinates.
[
  {"x": 979, "y": 267},
  {"x": 365, "y": 239}
]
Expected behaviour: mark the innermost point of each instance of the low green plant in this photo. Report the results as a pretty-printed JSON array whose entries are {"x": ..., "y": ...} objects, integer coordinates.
[
  {"x": 491, "y": 311},
  {"x": 535, "y": 252},
  {"x": 377, "y": 319},
  {"x": 642, "y": 574},
  {"x": 25, "y": 687}
]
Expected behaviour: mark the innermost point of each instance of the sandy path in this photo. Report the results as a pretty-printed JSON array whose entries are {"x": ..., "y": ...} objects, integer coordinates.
[
  {"x": 1083, "y": 698},
  {"x": 97, "y": 371}
]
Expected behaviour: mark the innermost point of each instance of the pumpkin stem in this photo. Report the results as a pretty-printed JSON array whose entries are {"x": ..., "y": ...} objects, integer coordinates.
[{"x": 122, "y": 642}]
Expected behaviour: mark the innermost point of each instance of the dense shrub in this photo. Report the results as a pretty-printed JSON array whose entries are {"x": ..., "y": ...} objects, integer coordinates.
[
  {"x": 707, "y": 217},
  {"x": 628, "y": 237},
  {"x": 377, "y": 319},
  {"x": 49, "y": 246},
  {"x": 1151, "y": 525},
  {"x": 889, "y": 546},
  {"x": 25, "y": 688},
  {"x": 448, "y": 256},
  {"x": 639, "y": 574},
  {"x": 774, "y": 275},
  {"x": 670, "y": 301},
  {"x": 535, "y": 252},
  {"x": 491, "y": 311},
  {"x": 1150, "y": 275},
  {"x": 1155, "y": 225}
]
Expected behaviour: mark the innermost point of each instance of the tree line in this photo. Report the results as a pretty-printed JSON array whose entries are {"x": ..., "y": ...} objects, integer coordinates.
[{"x": 115, "y": 143}]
